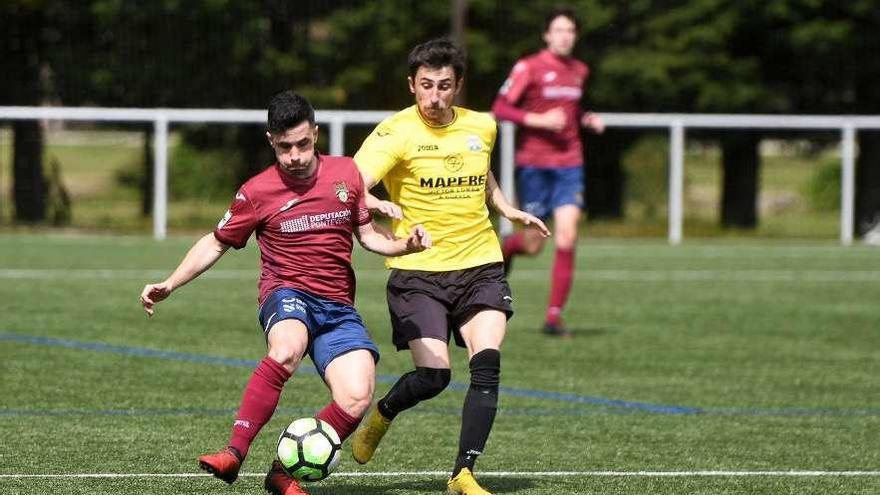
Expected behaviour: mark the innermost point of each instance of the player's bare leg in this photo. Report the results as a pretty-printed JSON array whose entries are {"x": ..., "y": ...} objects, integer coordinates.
[{"x": 431, "y": 376}]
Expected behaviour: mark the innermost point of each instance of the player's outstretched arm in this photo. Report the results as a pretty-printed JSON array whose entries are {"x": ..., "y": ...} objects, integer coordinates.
[
  {"x": 378, "y": 239},
  {"x": 376, "y": 205},
  {"x": 495, "y": 198},
  {"x": 593, "y": 122},
  {"x": 204, "y": 253}
]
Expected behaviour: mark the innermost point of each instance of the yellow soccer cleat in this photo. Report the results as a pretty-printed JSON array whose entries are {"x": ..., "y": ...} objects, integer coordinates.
[
  {"x": 368, "y": 436},
  {"x": 465, "y": 484}
]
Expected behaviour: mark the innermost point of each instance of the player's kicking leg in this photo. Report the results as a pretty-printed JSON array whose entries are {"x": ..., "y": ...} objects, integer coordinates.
[{"x": 350, "y": 375}]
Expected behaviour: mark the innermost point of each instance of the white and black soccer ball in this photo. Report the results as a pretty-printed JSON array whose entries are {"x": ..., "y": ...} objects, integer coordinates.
[{"x": 309, "y": 449}]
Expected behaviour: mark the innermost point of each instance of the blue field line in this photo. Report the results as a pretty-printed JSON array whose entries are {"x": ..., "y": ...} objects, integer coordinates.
[{"x": 612, "y": 405}]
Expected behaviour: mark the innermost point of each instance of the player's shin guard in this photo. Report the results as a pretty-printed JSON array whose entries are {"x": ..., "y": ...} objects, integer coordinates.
[
  {"x": 258, "y": 403},
  {"x": 412, "y": 388},
  {"x": 341, "y": 421},
  {"x": 480, "y": 404}
]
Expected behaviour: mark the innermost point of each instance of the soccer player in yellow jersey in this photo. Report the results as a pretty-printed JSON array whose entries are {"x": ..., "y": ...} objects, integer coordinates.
[{"x": 433, "y": 159}]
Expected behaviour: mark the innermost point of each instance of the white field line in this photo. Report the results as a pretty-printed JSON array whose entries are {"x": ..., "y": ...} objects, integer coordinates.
[
  {"x": 482, "y": 473},
  {"x": 546, "y": 474},
  {"x": 674, "y": 275}
]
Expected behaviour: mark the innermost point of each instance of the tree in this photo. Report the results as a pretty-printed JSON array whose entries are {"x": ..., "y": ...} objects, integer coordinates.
[
  {"x": 820, "y": 57},
  {"x": 23, "y": 38}
]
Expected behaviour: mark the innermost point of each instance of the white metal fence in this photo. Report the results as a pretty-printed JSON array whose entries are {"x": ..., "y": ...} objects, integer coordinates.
[{"x": 336, "y": 121}]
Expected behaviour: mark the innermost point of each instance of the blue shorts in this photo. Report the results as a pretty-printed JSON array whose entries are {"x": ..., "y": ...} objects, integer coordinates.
[
  {"x": 542, "y": 190},
  {"x": 334, "y": 328}
]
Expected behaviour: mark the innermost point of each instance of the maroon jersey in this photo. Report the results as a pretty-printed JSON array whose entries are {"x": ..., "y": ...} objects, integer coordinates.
[
  {"x": 303, "y": 227},
  {"x": 539, "y": 83}
]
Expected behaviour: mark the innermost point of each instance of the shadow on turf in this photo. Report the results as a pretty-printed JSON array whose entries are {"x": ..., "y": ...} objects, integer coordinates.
[
  {"x": 577, "y": 333},
  {"x": 511, "y": 484}
]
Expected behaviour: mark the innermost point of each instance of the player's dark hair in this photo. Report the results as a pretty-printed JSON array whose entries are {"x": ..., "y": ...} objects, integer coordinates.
[
  {"x": 562, "y": 11},
  {"x": 436, "y": 54},
  {"x": 288, "y": 109}
]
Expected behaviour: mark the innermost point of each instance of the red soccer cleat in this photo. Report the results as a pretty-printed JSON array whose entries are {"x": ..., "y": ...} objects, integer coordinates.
[
  {"x": 279, "y": 483},
  {"x": 224, "y": 464}
]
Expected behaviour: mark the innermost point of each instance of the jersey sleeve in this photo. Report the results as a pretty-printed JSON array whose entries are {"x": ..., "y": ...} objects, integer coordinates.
[
  {"x": 380, "y": 152},
  {"x": 238, "y": 223},
  {"x": 361, "y": 213},
  {"x": 504, "y": 110},
  {"x": 516, "y": 83}
]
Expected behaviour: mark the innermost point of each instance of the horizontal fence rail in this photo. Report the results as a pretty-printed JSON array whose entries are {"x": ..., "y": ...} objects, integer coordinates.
[{"x": 337, "y": 120}]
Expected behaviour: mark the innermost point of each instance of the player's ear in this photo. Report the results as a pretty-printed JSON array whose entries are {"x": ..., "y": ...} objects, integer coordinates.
[
  {"x": 315, "y": 133},
  {"x": 458, "y": 85},
  {"x": 269, "y": 138},
  {"x": 412, "y": 84}
]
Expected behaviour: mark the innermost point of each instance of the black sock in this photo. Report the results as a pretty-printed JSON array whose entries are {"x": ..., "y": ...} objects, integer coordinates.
[
  {"x": 412, "y": 388},
  {"x": 480, "y": 405}
]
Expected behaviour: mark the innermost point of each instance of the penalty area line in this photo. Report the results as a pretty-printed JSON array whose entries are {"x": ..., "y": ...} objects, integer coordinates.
[{"x": 551, "y": 474}]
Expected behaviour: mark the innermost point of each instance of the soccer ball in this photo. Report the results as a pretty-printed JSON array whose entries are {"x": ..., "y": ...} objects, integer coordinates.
[{"x": 309, "y": 449}]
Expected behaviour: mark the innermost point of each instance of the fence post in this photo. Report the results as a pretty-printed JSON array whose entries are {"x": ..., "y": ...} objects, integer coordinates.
[
  {"x": 508, "y": 186},
  {"x": 676, "y": 181},
  {"x": 847, "y": 183},
  {"x": 160, "y": 176},
  {"x": 337, "y": 137}
]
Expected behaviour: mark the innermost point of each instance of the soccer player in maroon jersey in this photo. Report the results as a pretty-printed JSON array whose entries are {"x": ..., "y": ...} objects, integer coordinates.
[
  {"x": 303, "y": 210},
  {"x": 542, "y": 95}
]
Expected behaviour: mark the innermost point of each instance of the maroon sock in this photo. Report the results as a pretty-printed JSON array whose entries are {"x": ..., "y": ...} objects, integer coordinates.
[
  {"x": 512, "y": 245},
  {"x": 563, "y": 269},
  {"x": 258, "y": 403},
  {"x": 341, "y": 421}
]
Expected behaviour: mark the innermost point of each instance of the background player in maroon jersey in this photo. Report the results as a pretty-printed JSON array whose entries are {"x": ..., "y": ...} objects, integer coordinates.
[
  {"x": 303, "y": 210},
  {"x": 542, "y": 95}
]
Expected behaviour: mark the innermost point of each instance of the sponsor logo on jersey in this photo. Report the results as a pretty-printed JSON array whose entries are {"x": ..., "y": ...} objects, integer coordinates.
[
  {"x": 561, "y": 92},
  {"x": 453, "y": 181},
  {"x": 453, "y": 162},
  {"x": 341, "y": 191},
  {"x": 289, "y": 204},
  {"x": 474, "y": 143},
  {"x": 224, "y": 220},
  {"x": 316, "y": 222},
  {"x": 427, "y": 147}
]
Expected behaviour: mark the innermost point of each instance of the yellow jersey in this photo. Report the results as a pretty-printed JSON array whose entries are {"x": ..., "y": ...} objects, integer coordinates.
[{"x": 438, "y": 176}]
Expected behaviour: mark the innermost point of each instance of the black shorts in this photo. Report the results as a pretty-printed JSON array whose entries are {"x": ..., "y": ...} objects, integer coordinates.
[{"x": 435, "y": 304}]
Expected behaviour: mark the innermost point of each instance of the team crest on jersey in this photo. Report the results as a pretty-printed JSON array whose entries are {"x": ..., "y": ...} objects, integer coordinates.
[
  {"x": 453, "y": 162},
  {"x": 474, "y": 143},
  {"x": 341, "y": 191},
  {"x": 550, "y": 76}
]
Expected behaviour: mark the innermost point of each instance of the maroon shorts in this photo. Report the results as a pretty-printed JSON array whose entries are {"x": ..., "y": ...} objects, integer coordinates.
[{"x": 435, "y": 304}]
